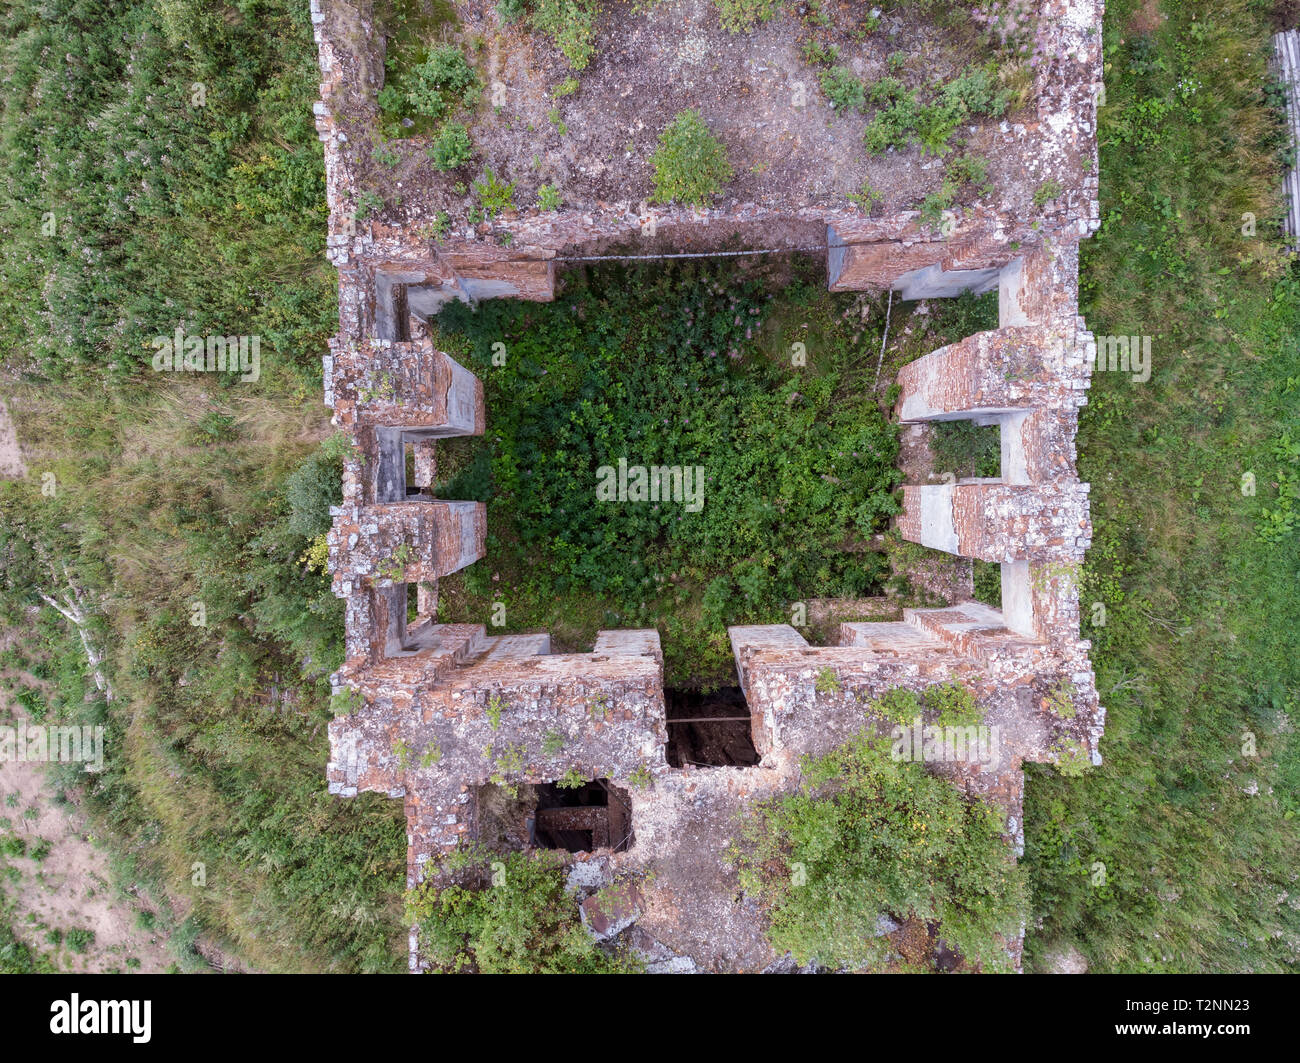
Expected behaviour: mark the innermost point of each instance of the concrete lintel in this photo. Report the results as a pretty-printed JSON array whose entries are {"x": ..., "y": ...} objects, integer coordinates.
[{"x": 933, "y": 282}]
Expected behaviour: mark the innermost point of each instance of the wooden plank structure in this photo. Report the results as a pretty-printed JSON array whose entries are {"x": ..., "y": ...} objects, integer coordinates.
[{"x": 1286, "y": 64}]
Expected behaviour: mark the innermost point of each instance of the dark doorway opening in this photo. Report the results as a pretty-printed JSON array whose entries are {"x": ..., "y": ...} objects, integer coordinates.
[
  {"x": 709, "y": 730},
  {"x": 581, "y": 819}
]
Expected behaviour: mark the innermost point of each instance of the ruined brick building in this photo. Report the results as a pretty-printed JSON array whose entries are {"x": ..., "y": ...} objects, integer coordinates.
[{"x": 444, "y": 709}]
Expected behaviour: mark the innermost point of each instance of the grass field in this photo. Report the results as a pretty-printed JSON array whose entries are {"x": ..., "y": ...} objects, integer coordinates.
[{"x": 1180, "y": 852}]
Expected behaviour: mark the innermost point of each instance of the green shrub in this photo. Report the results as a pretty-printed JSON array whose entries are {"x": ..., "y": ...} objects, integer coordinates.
[
  {"x": 894, "y": 125},
  {"x": 33, "y": 703},
  {"x": 548, "y": 198},
  {"x": 937, "y": 203},
  {"x": 986, "y": 578},
  {"x": 935, "y": 124},
  {"x": 495, "y": 195},
  {"x": 690, "y": 162},
  {"x": 1047, "y": 191},
  {"x": 314, "y": 486},
  {"x": 368, "y": 203},
  {"x": 452, "y": 147},
  {"x": 953, "y": 705},
  {"x": 898, "y": 705},
  {"x": 827, "y": 861},
  {"x": 739, "y": 16},
  {"x": 509, "y": 11},
  {"x": 905, "y": 119},
  {"x": 571, "y": 24},
  {"x": 963, "y": 172},
  {"x": 975, "y": 91},
  {"x": 844, "y": 90},
  {"x": 965, "y": 449},
  {"x": 971, "y": 170},
  {"x": 886, "y": 90},
  {"x": 432, "y": 88},
  {"x": 866, "y": 197},
  {"x": 524, "y": 922},
  {"x": 79, "y": 941},
  {"x": 17, "y": 957},
  {"x": 815, "y": 53}
]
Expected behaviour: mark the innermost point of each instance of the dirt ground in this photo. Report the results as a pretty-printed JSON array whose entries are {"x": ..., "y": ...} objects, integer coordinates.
[
  {"x": 11, "y": 458},
  {"x": 788, "y": 146},
  {"x": 71, "y": 888}
]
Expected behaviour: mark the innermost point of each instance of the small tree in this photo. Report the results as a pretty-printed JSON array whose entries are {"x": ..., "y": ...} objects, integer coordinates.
[
  {"x": 451, "y": 147},
  {"x": 690, "y": 163}
]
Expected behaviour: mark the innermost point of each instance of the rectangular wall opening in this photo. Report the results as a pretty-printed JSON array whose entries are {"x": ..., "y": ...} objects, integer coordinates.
[
  {"x": 987, "y": 581},
  {"x": 408, "y": 457},
  {"x": 709, "y": 730},
  {"x": 966, "y": 450},
  {"x": 582, "y": 819}
]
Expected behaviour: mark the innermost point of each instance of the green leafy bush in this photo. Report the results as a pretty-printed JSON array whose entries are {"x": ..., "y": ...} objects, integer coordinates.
[
  {"x": 739, "y": 16},
  {"x": 865, "y": 836},
  {"x": 492, "y": 913},
  {"x": 690, "y": 162},
  {"x": 571, "y": 24},
  {"x": 548, "y": 198},
  {"x": 79, "y": 941},
  {"x": 905, "y": 119},
  {"x": 16, "y": 957},
  {"x": 432, "y": 88},
  {"x": 1047, "y": 191},
  {"x": 815, "y": 53},
  {"x": 452, "y": 147},
  {"x": 894, "y": 125},
  {"x": 844, "y": 90},
  {"x": 967, "y": 171},
  {"x": 662, "y": 365},
  {"x": 314, "y": 486},
  {"x": 509, "y": 11},
  {"x": 494, "y": 194},
  {"x": 965, "y": 448}
]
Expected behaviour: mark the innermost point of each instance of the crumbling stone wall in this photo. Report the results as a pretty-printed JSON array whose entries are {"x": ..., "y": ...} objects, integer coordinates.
[{"x": 438, "y": 710}]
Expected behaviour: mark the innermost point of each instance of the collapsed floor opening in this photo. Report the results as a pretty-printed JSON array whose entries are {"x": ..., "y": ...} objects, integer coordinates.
[
  {"x": 577, "y": 819},
  {"x": 582, "y": 819},
  {"x": 709, "y": 729}
]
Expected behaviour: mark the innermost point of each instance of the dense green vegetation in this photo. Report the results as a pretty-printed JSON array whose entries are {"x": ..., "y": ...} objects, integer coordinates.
[
  {"x": 427, "y": 86},
  {"x": 174, "y": 146},
  {"x": 964, "y": 449},
  {"x": 675, "y": 366},
  {"x": 17, "y": 957},
  {"x": 867, "y": 835},
  {"x": 491, "y": 913},
  {"x": 160, "y": 168},
  {"x": 1179, "y": 852}
]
